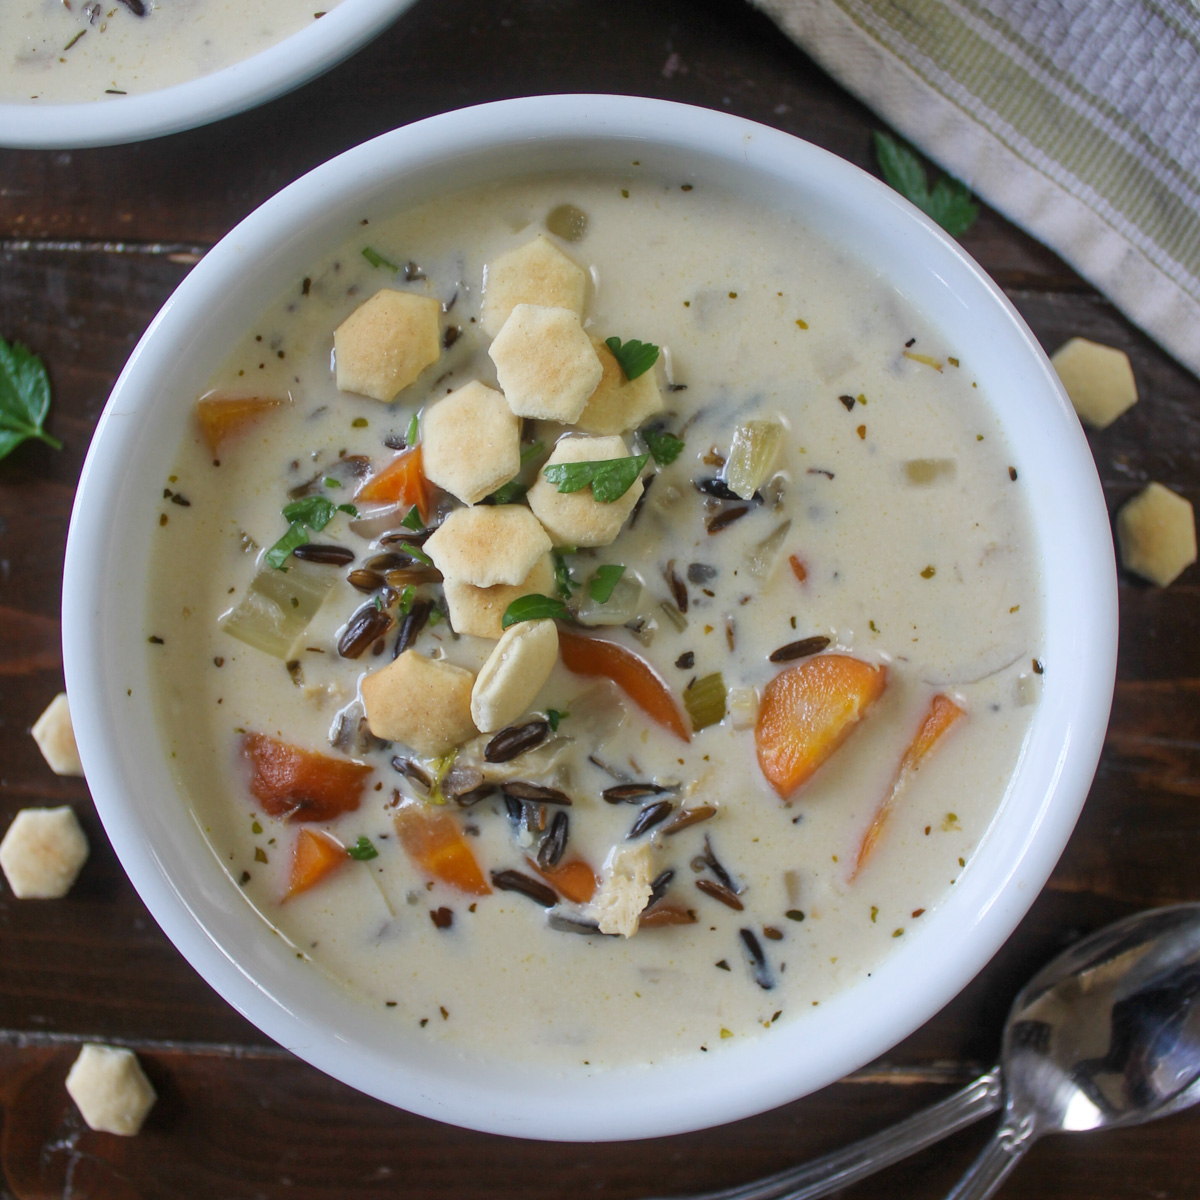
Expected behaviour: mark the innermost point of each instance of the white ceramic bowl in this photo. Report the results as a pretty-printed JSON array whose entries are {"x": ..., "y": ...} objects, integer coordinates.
[
  {"x": 150, "y": 824},
  {"x": 281, "y": 67}
]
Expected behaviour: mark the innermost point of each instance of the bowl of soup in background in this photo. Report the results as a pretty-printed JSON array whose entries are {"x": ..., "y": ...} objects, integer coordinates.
[
  {"x": 163, "y": 846},
  {"x": 70, "y": 85}
]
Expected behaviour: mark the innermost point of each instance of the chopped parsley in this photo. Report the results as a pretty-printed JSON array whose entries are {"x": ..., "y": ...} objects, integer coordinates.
[
  {"x": 554, "y": 717},
  {"x": 377, "y": 260},
  {"x": 609, "y": 478},
  {"x": 635, "y": 357},
  {"x": 606, "y": 578},
  {"x": 532, "y": 608},
  {"x": 665, "y": 447},
  {"x": 413, "y": 520},
  {"x": 315, "y": 512},
  {"x": 363, "y": 850},
  {"x": 413, "y": 433},
  {"x": 562, "y": 576}
]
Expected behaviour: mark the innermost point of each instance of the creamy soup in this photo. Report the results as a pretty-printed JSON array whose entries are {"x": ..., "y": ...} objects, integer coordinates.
[
  {"x": 62, "y": 51},
  {"x": 826, "y": 602}
]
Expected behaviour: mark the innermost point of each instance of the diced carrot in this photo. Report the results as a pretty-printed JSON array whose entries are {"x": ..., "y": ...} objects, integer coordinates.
[
  {"x": 222, "y": 416},
  {"x": 434, "y": 841},
  {"x": 402, "y": 481},
  {"x": 575, "y": 879},
  {"x": 808, "y": 711},
  {"x": 943, "y": 713},
  {"x": 798, "y": 568},
  {"x": 662, "y": 915},
  {"x": 301, "y": 785},
  {"x": 315, "y": 856},
  {"x": 632, "y": 674}
]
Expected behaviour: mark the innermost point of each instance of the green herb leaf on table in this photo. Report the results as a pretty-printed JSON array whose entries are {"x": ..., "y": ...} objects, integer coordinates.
[
  {"x": 665, "y": 447},
  {"x": 532, "y": 608},
  {"x": 610, "y": 478},
  {"x": 24, "y": 398},
  {"x": 363, "y": 850},
  {"x": 606, "y": 578},
  {"x": 635, "y": 357},
  {"x": 949, "y": 203},
  {"x": 377, "y": 260},
  {"x": 554, "y": 717},
  {"x": 279, "y": 553}
]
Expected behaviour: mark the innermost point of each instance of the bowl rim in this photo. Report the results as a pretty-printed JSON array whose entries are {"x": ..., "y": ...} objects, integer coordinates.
[
  {"x": 245, "y": 84},
  {"x": 991, "y": 900}
]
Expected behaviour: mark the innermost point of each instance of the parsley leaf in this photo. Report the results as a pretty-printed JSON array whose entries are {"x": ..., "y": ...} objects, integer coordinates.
[
  {"x": 562, "y": 576},
  {"x": 414, "y": 552},
  {"x": 508, "y": 493},
  {"x": 553, "y": 716},
  {"x": 377, "y": 260},
  {"x": 413, "y": 434},
  {"x": 279, "y": 553},
  {"x": 24, "y": 398},
  {"x": 606, "y": 578},
  {"x": 610, "y": 478},
  {"x": 406, "y": 598},
  {"x": 363, "y": 850},
  {"x": 413, "y": 520},
  {"x": 635, "y": 357},
  {"x": 532, "y": 608},
  {"x": 665, "y": 447},
  {"x": 330, "y": 482},
  {"x": 348, "y": 508},
  {"x": 314, "y": 511},
  {"x": 949, "y": 204}
]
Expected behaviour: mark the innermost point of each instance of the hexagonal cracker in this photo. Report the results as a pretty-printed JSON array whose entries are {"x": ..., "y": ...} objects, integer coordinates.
[
  {"x": 545, "y": 363},
  {"x": 618, "y": 404},
  {"x": 422, "y": 702},
  {"x": 110, "y": 1089},
  {"x": 1098, "y": 379},
  {"x": 55, "y": 737},
  {"x": 1156, "y": 533},
  {"x": 519, "y": 664},
  {"x": 386, "y": 342},
  {"x": 535, "y": 273},
  {"x": 43, "y": 852},
  {"x": 488, "y": 544},
  {"x": 480, "y": 611},
  {"x": 471, "y": 442},
  {"x": 577, "y": 518}
]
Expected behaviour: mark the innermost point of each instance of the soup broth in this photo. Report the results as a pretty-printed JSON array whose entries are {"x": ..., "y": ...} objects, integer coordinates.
[{"x": 888, "y": 531}]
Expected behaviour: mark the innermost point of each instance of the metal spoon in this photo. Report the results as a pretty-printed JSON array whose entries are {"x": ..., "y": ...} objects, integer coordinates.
[{"x": 1108, "y": 1034}]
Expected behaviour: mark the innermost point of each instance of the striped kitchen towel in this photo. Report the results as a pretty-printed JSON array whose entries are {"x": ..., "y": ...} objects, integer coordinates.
[{"x": 1077, "y": 119}]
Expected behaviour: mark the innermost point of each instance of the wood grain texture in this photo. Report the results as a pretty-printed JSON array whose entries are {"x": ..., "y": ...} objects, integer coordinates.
[{"x": 91, "y": 244}]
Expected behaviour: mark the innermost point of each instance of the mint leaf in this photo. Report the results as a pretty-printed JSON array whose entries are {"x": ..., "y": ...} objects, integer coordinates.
[
  {"x": 377, "y": 260},
  {"x": 363, "y": 850},
  {"x": 413, "y": 520},
  {"x": 610, "y": 478},
  {"x": 553, "y": 716},
  {"x": 562, "y": 577},
  {"x": 281, "y": 551},
  {"x": 314, "y": 511},
  {"x": 532, "y": 608},
  {"x": 665, "y": 447},
  {"x": 606, "y": 578},
  {"x": 635, "y": 357},
  {"x": 24, "y": 398},
  {"x": 949, "y": 204}
]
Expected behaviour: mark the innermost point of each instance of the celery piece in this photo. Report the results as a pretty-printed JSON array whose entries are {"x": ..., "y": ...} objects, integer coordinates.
[
  {"x": 705, "y": 701},
  {"x": 755, "y": 447},
  {"x": 621, "y": 605},
  {"x": 277, "y": 606},
  {"x": 929, "y": 470},
  {"x": 762, "y": 556}
]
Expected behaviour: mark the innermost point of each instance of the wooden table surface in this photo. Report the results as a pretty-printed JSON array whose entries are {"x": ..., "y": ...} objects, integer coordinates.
[{"x": 92, "y": 244}]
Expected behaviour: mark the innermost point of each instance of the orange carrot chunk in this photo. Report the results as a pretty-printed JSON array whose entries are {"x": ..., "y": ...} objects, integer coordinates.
[
  {"x": 808, "y": 711},
  {"x": 434, "y": 841},
  {"x": 632, "y": 674},
  {"x": 315, "y": 856},
  {"x": 943, "y": 713},
  {"x": 574, "y": 880},
  {"x": 222, "y": 416},
  {"x": 300, "y": 784},
  {"x": 402, "y": 481}
]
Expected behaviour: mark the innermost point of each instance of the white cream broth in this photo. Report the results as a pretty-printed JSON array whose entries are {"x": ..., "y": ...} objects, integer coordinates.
[
  {"x": 59, "y": 52},
  {"x": 723, "y": 288}
]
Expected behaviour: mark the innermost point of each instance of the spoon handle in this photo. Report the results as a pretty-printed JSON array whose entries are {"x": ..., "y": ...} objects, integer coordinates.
[
  {"x": 844, "y": 1167},
  {"x": 997, "y": 1158}
]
